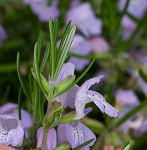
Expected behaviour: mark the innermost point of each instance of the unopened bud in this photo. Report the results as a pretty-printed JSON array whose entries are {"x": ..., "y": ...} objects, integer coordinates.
[
  {"x": 44, "y": 83},
  {"x": 64, "y": 84},
  {"x": 63, "y": 146}
]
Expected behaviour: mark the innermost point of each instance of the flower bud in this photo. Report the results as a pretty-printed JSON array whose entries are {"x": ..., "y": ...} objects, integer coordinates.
[
  {"x": 44, "y": 83},
  {"x": 64, "y": 84},
  {"x": 63, "y": 146}
]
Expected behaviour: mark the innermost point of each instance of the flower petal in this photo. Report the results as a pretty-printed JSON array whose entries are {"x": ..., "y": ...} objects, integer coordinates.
[
  {"x": 77, "y": 133},
  {"x": 11, "y": 130},
  {"x": 50, "y": 141},
  {"x": 86, "y": 22},
  {"x": 61, "y": 133},
  {"x": 87, "y": 84},
  {"x": 100, "y": 101}
]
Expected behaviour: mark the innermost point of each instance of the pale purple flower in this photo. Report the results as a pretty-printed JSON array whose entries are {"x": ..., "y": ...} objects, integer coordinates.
[
  {"x": 51, "y": 140},
  {"x": 136, "y": 7},
  {"x": 67, "y": 99},
  {"x": 126, "y": 97},
  {"x": 132, "y": 123},
  {"x": 80, "y": 46},
  {"x": 142, "y": 129},
  {"x": 84, "y": 96},
  {"x": 3, "y": 35},
  {"x": 99, "y": 44},
  {"x": 83, "y": 16},
  {"x": 127, "y": 100},
  {"x": 42, "y": 10},
  {"x": 12, "y": 109},
  {"x": 129, "y": 26},
  {"x": 11, "y": 131},
  {"x": 75, "y": 133},
  {"x": 77, "y": 97}
]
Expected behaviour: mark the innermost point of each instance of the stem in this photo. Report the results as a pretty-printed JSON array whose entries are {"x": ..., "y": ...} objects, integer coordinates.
[
  {"x": 44, "y": 139},
  {"x": 47, "y": 112}
]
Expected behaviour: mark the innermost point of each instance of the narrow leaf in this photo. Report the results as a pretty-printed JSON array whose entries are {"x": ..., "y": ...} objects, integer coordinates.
[
  {"x": 56, "y": 29},
  {"x": 36, "y": 67},
  {"x": 65, "y": 51},
  {"x": 143, "y": 75},
  {"x": 53, "y": 48},
  {"x": 39, "y": 45},
  {"x": 63, "y": 39},
  {"x": 20, "y": 77},
  {"x": 83, "y": 145},
  {"x": 126, "y": 146},
  {"x": 45, "y": 58}
]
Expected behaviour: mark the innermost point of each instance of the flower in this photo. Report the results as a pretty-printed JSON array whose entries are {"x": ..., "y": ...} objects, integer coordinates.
[
  {"x": 126, "y": 97},
  {"x": 77, "y": 97},
  {"x": 132, "y": 123},
  {"x": 80, "y": 46},
  {"x": 84, "y": 96},
  {"x": 99, "y": 44},
  {"x": 11, "y": 131},
  {"x": 67, "y": 99},
  {"x": 129, "y": 26},
  {"x": 11, "y": 108},
  {"x": 3, "y": 35},
  {"x": 127, "y": 100},
  {"x": 136, "y": 8},
  {"x": 142, "y": 128},
  {"x": 42, "y": 10},
  {"x": 83, "y": 16},
  {"x": 51, "y": 140},
  {"x": 76, "y": 134}
]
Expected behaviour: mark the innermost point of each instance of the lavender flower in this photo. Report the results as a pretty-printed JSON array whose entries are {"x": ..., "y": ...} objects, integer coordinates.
[
  {"x": 78, "y": 97},
  {"x": 3, "y": 35},
  {"x": 136, "y": 8},
  {"x": 82, "y": 47},
  {"x": 11, "y": 108},
  {"x": 84, "y": 96},
  {"x": 83, "y": 16},
  {"x": 142, "y": 129},
  {"x": 50, "y": 141},
  {"x": 42, "y": 10},
  {"x": 127, "y": 100},
  {"x": 129, "y": 26},
  {"x": 132, "y": 123},
  {"x": 76, "y": 134},
  {"x": 11, "y": 131},
  {"x": 126, "y": 97},
  {"x": 99, "y": 44}
]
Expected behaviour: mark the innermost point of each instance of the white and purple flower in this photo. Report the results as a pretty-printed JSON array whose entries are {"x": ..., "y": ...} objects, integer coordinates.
[
  {"x": 11, "y": 131},
  {"x": 12, "y": 109},
  {"x": 75, "y": 133},
  {"x": 77, "y": 97}
]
